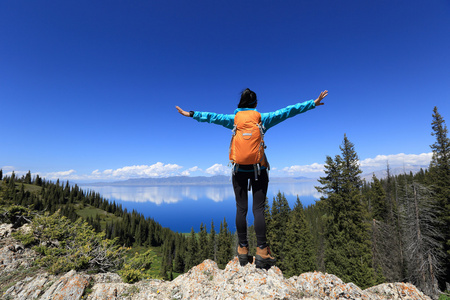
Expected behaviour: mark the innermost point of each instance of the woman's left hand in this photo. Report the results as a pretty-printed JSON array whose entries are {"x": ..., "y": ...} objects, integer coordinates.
[{"x": 184, "y": 113}]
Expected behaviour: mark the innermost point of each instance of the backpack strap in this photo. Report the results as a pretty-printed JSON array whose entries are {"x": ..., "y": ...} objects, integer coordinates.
[
  {"x": 261, "y": 129},
  {"x": 257, "y": 170},
  {"x": 267, "y": 162},
  {"x": 233, "y": 133}
]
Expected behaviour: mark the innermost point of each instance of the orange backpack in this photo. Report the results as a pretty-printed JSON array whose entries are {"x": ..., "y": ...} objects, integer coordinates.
[{"x": 247, "y": 143}]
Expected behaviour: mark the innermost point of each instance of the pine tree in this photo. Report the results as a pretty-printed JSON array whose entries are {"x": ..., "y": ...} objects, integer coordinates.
[
  {"x": 379, "y": 206},
  {"x": 21, "y": 194},
  {"x": 166, "y": 263},
  {"x": 163, "y": 268},
  {"x": 439, "y": 173},
  {"x": 252, "y": 243},
  {"x": 1, "y": 174},
  {"x": 224, "y": 250},
  {"x": 12, "y": 182},
  {"x": 191, "y": 252},
  {"x": 315, "y": 216},
  {"x": 180, "y": 247},
  {"x": 390, "y": 187},
  {"x": 203, "y": 243},
  {"x": 212, "y": 243},
  {"x": 386, "y": 244},
  {"x": 299, "y": 248},
  {"x": 27, "y": 178},
  {"x": 138, "y": 236},
  {"x": 277, "y": 227},
  {"x": 348, "y": 251}
]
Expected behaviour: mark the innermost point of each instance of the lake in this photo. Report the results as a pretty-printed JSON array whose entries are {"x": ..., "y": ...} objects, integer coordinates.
[{"x": 181, "y": 207}]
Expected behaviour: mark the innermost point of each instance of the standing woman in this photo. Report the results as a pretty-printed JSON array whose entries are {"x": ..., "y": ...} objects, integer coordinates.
[{"x": 259, "y": 179}]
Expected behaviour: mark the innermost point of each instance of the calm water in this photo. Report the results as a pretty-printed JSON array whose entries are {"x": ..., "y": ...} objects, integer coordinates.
[{"x": 182, "y": 207}]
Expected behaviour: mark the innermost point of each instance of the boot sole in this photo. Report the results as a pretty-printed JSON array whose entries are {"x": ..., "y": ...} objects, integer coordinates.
[
  {"x": 245, "y": 259},
  {"x": 262, "y": 263}
]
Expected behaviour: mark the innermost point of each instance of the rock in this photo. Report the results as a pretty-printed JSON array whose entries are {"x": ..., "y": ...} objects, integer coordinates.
[
  {"x": 5, "y": 230},
  {"x": 204, "y": 281},
  {"x": 13, "y": 256},
  {"x": 105, "y": 291},
  {"x": 328, "y": 286},
  {"x": 207, "y": 281},
  {"x": 107, "y": 278},
  {"x": 29, "y": 288},
  {"x": 16, "y": 248},
  {"x": 107, "y": 286},
  {"x": 396, "y": 291},
  {"x": 69, "y": 287}
]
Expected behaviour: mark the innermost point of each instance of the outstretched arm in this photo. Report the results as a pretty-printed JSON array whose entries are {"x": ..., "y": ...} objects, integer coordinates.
[
  {"x": 320, "y": 98},
  {"x": 183, "y": 112},
  {"x": 219, "y": 119},
  {"x": 273, "y": 118}
]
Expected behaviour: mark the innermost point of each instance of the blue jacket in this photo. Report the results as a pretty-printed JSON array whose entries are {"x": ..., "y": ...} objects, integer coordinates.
[{"x": 268, "y": 120}]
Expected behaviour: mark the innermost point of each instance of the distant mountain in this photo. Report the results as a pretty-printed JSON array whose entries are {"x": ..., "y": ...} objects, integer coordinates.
[
  {"x": 187, "y": 180},
  {"x": 175, "y": 180},
  {"x": 222, "y": 179},
  {"x": 393, "y": 171}
]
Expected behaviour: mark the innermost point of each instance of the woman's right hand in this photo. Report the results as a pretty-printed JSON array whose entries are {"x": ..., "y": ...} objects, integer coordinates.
[
  {"x": 184, "y": 113},
  {"x": 320, "y": 98}
]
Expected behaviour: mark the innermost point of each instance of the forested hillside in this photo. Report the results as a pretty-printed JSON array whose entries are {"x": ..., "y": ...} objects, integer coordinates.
[
  {"x": 387, "y": 230},
  {"x": 32, "y": 198}
]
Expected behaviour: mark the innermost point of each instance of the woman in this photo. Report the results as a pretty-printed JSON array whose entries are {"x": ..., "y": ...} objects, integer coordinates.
[{"x": 243, "y": 173}]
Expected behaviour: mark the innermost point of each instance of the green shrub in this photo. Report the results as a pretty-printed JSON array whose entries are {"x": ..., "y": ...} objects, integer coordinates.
[
  {"x": 14, "y": 214},
  {"x": 130, "y": 275},
  {"x": 64, "y": 245},
  {"x": 445, "y": 296},
  {"x": 137, "y": 267},
  {"x": 27, "y": 239}
]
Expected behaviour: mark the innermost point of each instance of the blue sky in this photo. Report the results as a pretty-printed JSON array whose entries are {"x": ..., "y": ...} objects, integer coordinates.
[{"x": 88, "y": 89}]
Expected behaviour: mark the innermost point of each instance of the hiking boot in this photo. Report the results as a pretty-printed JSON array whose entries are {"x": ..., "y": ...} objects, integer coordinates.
[
  {"x": 243, "y": 256},
  {"x": 264, "y": 259}
]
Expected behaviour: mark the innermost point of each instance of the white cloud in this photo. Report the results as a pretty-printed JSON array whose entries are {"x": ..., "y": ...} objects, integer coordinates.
[
  {"x": 367, "y": 165},
  {"x": 156, "y": 170},
  {"x": 218, "y": 169},
  {"x": 142, "y": 171},
  {"x": 61, "y": 175},
  {"x": 194, "y": 169},
  {"x": 190, "y": 170},
  {"x": 312, "y": 168},
  {"x": 159, "y": 169},
  {"x": 400, "y": 159},
  {"x": 7, "y": 168}
]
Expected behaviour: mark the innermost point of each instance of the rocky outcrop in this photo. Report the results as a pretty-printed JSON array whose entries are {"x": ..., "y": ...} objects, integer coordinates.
[{"x": 204, "y": 281}]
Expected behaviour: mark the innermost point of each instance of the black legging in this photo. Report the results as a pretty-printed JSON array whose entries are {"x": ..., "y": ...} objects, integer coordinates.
[{"x": 259, "y": 189}]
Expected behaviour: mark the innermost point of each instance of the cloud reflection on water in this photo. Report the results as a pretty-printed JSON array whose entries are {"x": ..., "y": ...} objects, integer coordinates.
[
  {"x": 217, "y": 193},
  {"x": 303, "y": 189},
  {"x": 163, "y": 194}
]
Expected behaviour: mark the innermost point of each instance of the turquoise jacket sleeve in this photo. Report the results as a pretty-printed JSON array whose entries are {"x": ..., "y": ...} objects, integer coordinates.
[
  {"x": 219, "y": 119},
  {"x": 273, "y": 118},
  {"x": 268, "y": 119}
]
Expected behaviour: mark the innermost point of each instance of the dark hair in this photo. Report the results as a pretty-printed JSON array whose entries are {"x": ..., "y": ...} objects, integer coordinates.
[{"x": 248, "y": 99}]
